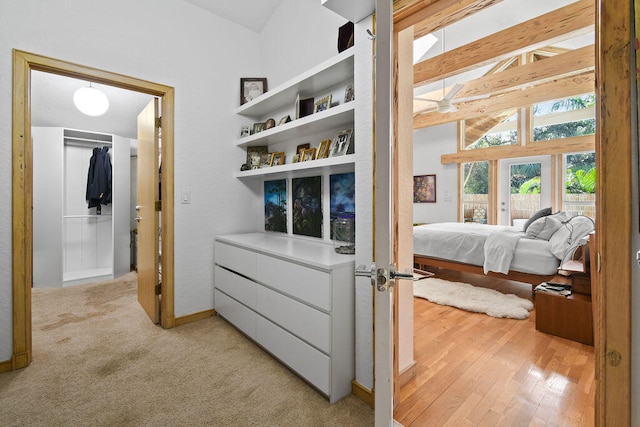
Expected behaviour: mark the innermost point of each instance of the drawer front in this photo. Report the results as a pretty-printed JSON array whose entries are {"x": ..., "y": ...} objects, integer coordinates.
[
  {"x": 304, "y": 283},
  {"x": 306, "y": 322},
  {"x": 238, "y": 287},
  {"x": 299, "y": 356},
  {"x": 237, "y": 314},
  {"x": 236, "y": 259}
]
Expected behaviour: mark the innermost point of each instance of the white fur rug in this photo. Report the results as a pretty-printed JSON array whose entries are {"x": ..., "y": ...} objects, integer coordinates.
[{"x": 472, "y": 298}]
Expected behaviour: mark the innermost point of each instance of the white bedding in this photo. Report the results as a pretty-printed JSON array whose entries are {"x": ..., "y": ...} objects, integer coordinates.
[{"x": 465, "y": 242}]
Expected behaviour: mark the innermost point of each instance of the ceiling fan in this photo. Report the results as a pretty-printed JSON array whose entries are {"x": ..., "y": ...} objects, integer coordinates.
[{"x": 444, "y": 105}]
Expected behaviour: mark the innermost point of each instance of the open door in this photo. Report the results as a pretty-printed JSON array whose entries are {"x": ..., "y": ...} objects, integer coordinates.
[{"x": 148, "y": 216}]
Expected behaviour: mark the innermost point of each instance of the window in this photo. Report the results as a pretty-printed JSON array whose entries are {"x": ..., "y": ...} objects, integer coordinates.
[
  {"x": 564, "y": 118},
  {"x": 475, "y": 194},
  {"x": 492, "y": 131},
  {"x": 579, "y": 196}
]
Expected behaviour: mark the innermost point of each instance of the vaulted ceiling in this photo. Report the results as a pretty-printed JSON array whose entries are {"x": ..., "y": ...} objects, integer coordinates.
[{"x": 503, "y": 55}]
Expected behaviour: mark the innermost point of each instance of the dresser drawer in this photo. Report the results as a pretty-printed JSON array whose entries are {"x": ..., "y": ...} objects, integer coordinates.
[
  {"x": 310, "y": 363},
  {"x": 237, "y": 314},
  {"x": 306, "y": 322},
  {"x": 304, "y": 283},
  {"x": 234, "y": 258},
  {"x": 238, "y": 287}
]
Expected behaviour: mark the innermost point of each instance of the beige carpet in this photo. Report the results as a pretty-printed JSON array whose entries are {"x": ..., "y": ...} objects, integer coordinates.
[{"x": 99, "y": 361}]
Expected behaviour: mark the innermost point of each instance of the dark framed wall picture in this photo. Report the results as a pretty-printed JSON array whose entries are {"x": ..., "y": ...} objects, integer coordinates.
[
  {"x": 275, "y": 205},
  {"x": 251, "y": 88},
  {"x": 306, "y": 194},
  {"x": 424, "y": 189}
]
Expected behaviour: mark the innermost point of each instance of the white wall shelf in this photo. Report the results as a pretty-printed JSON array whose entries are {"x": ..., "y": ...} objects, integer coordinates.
[
  {"x": 341, "y": 115},
  {"x": 353, "y": 10},
  {"x": 328, "y": 74},
  {"x": 338, "y": 164}
]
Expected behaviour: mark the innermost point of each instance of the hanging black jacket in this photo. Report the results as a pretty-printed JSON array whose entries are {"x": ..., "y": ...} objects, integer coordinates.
[{"x": 99, "y": 178}]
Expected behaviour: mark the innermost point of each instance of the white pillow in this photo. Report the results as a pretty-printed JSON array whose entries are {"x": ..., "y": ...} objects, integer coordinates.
[
  {"x": 543, "y": 228},
  {"x": 569, "y": 235}
]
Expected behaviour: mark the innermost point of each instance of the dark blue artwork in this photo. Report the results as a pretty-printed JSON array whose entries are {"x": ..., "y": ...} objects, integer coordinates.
[
  {"x": 307, "y": 206},
  {"x": 343, "y": 196},
  {"x": 275, "y": 205}
]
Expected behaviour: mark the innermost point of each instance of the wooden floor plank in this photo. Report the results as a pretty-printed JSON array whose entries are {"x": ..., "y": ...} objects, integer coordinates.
[{"x": 473, "y": 369}]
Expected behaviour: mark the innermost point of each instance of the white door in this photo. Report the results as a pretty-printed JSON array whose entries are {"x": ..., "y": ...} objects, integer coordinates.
[{"x": 525, "y": 187}]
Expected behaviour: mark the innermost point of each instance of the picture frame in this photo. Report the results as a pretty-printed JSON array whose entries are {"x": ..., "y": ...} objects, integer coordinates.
[
  {"x": 296, "y": 158},
  {"x": 424, "y": 189},
  {"x": 254, "y": 156},
  {"x": 323, "y": 149},
  {"x": 270, "y": 123},
  {"x": 340, "y": 143},
  {"x": 245, "y": 131},
  {"x": 302, "y": 147},
  {"x": 265, "y": 160},
  {"x": 349, "y": 93},
  {"x": 308, "y": 154},
  {"x": 251, "y": 88},
  {"x": 285, "y": 119},
  {"x": 277, "y": 159},
  {"x": 257, "y": 128},
  {"x": 322, "y": 104}
]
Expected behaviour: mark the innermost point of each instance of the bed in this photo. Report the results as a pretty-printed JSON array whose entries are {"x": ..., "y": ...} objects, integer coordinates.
[{"x": 531, "y": 254}]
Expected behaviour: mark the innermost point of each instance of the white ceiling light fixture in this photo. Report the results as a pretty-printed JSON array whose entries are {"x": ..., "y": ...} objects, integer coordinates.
[{"x": 91, "y": 101}]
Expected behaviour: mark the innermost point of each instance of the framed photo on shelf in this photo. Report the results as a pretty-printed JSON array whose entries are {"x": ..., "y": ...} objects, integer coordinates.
[
  {"x": 340, "y": 144},
  {"x": 296, "y": 158},
  {"x": 265, "y": 160},
  {"x": 323, "y": 149},
  {"x": 302, "y": 147},
  {"x": 285, "y": 119},
  {"x": 277, "y": 159},
  {"x": 254, "y": 155},
  {"x": 322, "y": 104},
  {"x": 308, "y": 154},
  {"x": 245, "y": 131},
  {"x": 251, "y": 88},
  {"x": 257, "y": 128},
  {"x": 349, "y": 93},
  {"x": 424, "y": 189}
]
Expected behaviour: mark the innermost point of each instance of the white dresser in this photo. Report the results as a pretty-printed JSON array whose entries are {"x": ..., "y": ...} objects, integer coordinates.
[{"x": 295, "y": 298}]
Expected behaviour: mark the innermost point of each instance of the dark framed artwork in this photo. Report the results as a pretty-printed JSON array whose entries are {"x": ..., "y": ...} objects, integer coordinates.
[
  {"x": 275, "y": 205},
  {"x": 251, "y": 88},
  {"x": 306, "y": 194},
  {"x": 424, "y": 189},
  {"x": 342, "y": 193}
]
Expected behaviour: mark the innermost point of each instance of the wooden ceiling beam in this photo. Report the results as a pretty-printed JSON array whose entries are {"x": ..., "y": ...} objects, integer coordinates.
[
  {"x": 574, "y": 62},
  {"x": 557, "y": 89},
  {"x": 429, "y": 16},
  {"x": 566, "y": 64},
  {"x": 575, "y": 19}
]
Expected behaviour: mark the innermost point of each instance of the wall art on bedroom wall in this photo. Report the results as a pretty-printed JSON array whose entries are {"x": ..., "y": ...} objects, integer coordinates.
[
  {"x": 424, "y": 189},
  {"x": 342, "y": 193},
  {"x": 275, "y": 205},
  {"x": 307, "y": 206}
]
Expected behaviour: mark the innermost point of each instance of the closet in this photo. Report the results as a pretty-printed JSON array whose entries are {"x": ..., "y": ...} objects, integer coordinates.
[{"x": 72, "y": 243}]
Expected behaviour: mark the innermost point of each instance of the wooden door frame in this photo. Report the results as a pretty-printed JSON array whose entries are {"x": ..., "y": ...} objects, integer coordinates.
[
  {"x": 614, "y": 226},
  {"x": 22, "y": 191}
]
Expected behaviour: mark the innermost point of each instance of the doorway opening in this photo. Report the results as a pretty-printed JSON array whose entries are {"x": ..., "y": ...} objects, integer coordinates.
[{"x": 22, "y": 186}]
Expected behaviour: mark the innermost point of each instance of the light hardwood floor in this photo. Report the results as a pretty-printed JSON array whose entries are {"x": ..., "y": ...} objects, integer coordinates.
[{"x": 473, "y": 369}]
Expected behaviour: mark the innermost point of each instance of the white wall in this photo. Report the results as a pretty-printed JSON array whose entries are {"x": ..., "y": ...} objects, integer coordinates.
[
  {"x": 194, "y": 55},
  {"x": 299, "y": 35},
  {"x": 429, "y": 144}
]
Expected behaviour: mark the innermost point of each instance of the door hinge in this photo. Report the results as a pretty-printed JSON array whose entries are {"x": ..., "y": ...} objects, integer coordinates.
[
  {"x": 159, "y": 206},
  {"x": 158, "y": 122},
  {"x": 159, "y": 289}
]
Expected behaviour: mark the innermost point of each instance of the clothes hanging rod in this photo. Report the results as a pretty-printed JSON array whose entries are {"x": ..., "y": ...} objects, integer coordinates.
[
  {"x": 81, "y": 142},
  {"x": 85, "y": 216}
]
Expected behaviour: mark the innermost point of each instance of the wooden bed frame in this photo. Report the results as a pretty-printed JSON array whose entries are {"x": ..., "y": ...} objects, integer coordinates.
[
  {"x": 420, "y": 261},
  {"x": 581, "y": 265}
]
